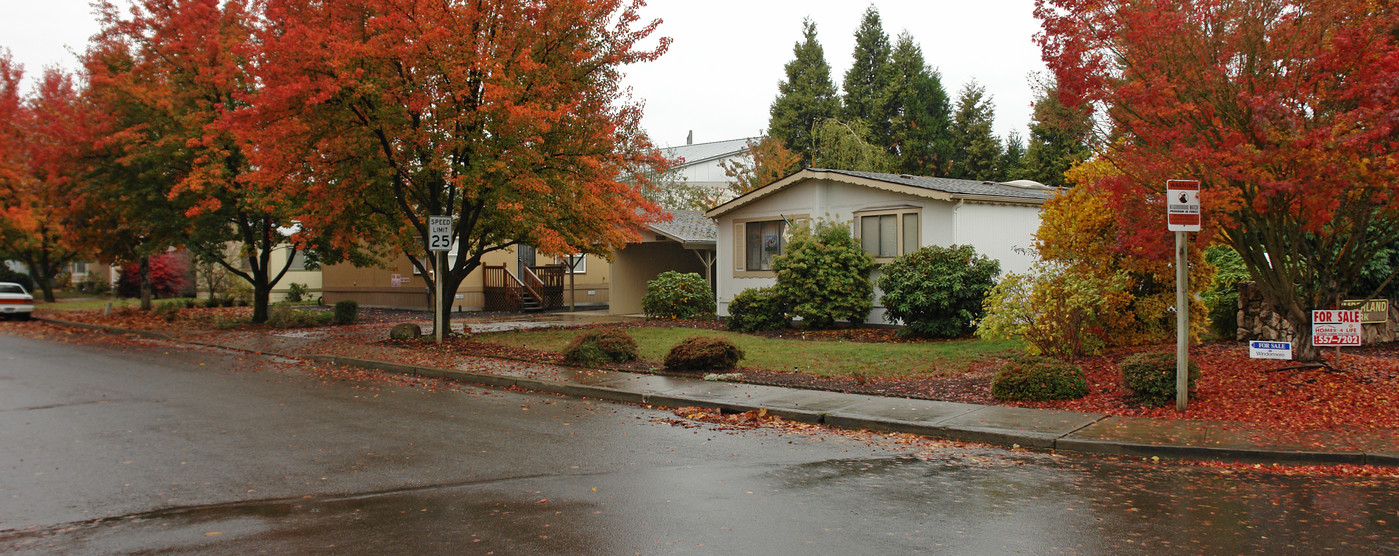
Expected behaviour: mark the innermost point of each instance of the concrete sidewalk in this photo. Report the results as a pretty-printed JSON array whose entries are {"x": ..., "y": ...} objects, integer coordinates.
[{"x": 1005, "y": 426}]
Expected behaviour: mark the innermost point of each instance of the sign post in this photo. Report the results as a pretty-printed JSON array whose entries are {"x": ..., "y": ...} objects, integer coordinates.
[
  {"x": 439, "y": 242},
  {"x": 1182, "y": 216}
]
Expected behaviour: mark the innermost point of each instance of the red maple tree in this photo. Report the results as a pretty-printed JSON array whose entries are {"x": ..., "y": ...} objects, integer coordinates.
[
  {"x": 1283, "y": 109},
  {"x": 506, "y": 115},
  {"x": 37, "y": 171},
  {"x": 169, "y": 76}
]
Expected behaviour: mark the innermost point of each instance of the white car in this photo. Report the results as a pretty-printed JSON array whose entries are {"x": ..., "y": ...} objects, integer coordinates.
[{"x": 15, "y": 302}]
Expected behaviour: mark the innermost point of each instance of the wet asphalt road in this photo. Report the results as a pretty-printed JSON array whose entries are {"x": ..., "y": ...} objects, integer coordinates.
[{"x": 133, "y": 446}]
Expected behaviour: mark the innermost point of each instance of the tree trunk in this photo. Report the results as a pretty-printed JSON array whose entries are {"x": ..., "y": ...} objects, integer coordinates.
[
  {"x": 147, "y": 287},
  {"x": 262, "y": 297}
]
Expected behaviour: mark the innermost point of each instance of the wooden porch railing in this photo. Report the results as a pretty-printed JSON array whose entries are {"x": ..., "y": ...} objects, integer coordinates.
[{"x": 505, "y": 292}]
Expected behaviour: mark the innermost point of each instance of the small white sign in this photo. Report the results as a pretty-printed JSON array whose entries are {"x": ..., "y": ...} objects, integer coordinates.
[
  {"x": 1336, "y": 328},
  {"x": 1270, "y": 350},
  {"x": 1183, "y": 205},
  {"x": 439, "y": 233}
]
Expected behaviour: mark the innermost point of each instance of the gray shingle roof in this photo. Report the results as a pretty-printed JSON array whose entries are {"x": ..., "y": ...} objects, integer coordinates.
[
  {"x": 694, "y": 154},
  {"x": 688, "y": 226},
  {"x": 953, "y": 186}
]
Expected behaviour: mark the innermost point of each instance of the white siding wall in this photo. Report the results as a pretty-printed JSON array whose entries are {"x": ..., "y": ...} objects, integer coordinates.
[{"x": 995, "y": 230}]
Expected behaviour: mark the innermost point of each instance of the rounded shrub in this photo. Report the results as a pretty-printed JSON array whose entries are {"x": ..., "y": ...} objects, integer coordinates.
[
  {"x": 1036, "y": 379},
  {"x": 675, "y": 295},
  {"x": 346, "y": 311},
  {"x": 757, "y": 309},
  {"x": 1151, "y": 377},
  {"x": 703, "y": 353},
  {"x": 609, "y": 346},
  {"x": 937, "y": 292},
  {"x": 824, "y": 275}
]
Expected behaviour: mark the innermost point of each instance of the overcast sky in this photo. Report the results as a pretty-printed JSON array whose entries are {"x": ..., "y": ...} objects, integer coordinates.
[{"x": 721, "y": 73}]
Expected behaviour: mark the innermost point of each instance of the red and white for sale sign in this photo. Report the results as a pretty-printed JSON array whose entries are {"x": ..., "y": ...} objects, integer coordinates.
[{"x": 1336, "y": 328}]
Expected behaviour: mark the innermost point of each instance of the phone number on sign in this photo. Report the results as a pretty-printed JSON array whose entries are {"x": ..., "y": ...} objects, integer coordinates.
[{"x": 1340, "y": 340}]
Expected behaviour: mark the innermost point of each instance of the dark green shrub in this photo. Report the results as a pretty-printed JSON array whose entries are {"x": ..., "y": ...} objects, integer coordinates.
[
  {"x": 757, "y": 309},
  {"x": 674, "y": 295},
  {"x": 824, "y": 275},
  {"x": 1222, "y": 298},
  {"x": 610, "y": 346},
  {"x": 937, "y": 292},
  {"x": 21, "y": 278},
  {"x": 1151, "y": 377},
  {"x": 703, "y": 353},
  {"x": 1035, "y": 379},
  {"x": 168, "y": 310},
  {"x": 296, "y": 292},
  {"x": 346, "y": 311},
  {"x": 281, "y": 316}
]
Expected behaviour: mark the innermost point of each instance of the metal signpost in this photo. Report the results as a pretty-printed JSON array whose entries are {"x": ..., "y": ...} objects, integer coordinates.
[
  {"x": 1182, "y": 216},
  {"x": 439, "y": 241}
]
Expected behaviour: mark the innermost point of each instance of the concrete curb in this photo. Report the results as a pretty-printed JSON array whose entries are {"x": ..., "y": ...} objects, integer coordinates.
[{"x": 839, "y": 418}]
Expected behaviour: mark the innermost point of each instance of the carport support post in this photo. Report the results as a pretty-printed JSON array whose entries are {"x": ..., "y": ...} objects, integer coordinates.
[
  {"x": 438, "y": 323},
  {"x": 1182, "y": 324}
]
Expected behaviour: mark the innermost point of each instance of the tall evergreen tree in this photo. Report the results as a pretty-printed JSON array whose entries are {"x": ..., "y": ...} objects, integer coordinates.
[
  {"x": 1059, "y": 138},
  {"x": 806, "y": 97},
  {"x": 1012, "y": 165},
  {"x": 976, "y": 151},
  {"x": 867, "y": 80},
  {"x": 918, "y": 111}
]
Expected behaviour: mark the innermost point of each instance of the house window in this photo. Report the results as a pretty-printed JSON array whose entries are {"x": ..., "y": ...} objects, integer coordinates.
[
  {"x": 888, "y": 235},
  {"x": 763, "y": 242},
  {"x": 573, "y": 264},
  {"x": 80, "y": 269},
  {"x": 298, "y": 261}
]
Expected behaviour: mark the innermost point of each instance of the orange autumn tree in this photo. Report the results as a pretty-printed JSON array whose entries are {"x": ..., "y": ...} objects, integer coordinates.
[
  {"x": 1079, "y": 230},
  {"x": 170, "y": 76},
  {"x": 1284, "y": 109},
  {"x": 768, "y": 160},
  {"x": 36, "y": 171},
  {"x": 506, "y": 115}
]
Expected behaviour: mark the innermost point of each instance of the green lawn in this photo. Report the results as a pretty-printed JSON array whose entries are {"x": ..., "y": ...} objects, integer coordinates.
[
  {"x": 87, "y": 304},
  {"x": 816, "y": 357}
]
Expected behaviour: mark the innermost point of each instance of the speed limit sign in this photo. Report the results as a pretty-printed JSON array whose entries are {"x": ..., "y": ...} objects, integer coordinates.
[{"x": 439, "y": 233}]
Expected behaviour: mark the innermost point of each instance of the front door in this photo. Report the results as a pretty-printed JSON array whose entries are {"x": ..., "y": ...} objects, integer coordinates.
[{"x": 525, "y": 260}]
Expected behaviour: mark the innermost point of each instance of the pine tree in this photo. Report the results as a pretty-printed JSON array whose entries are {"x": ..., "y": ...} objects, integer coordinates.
[
  {"x": 1012, "y": 165},
  {"x": 918, "y": 112},
  {"x": 868, "y": 79},
  {"x": 976, "y": 150},
  {"x": 806, "y": 97},
  {"x": 1059, "y": 139}
]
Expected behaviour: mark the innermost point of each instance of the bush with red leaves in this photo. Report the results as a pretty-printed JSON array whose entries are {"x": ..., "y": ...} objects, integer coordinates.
[{"x": 167, "y": 277}]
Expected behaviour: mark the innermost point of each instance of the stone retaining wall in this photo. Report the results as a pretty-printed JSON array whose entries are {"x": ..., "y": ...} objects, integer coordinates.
[{"x": 1258, "y": 321}]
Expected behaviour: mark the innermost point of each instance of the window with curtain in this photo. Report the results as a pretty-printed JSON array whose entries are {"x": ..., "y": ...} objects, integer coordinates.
[
  {"x": 888, "y": 235},
  {"x": 763, "y": 242}
]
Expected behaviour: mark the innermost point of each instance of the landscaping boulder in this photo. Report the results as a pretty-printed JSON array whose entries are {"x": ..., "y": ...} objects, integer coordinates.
[{"x": 406, "y": 331}]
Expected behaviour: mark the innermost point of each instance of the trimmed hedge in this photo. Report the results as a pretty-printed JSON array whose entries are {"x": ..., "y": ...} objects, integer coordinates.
[
  {"x": 610, "y": 346},
  {"x": 674, "y": 295},
  {"x": 346, "y": 311},
  {"x": 757, "y": 309},
  {"x": 703, "y": 353},
  {"x": 1035, "y": 379},
  {"x": 1151, "y": 377}
]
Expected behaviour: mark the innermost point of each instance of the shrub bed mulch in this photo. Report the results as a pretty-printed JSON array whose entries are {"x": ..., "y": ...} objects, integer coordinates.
[{"x": 1361, "y": 394}]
